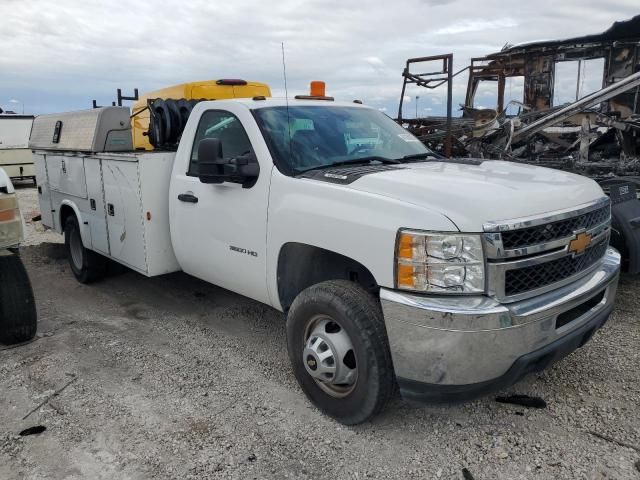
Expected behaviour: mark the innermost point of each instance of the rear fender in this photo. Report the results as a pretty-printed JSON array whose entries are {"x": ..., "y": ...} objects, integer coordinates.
[{"x": 68, "y": 207}]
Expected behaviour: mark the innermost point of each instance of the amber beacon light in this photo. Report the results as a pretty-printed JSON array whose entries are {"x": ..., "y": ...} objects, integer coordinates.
[
  {"x": 318, "y": 88},
  {"x": 316, "y": 92}
]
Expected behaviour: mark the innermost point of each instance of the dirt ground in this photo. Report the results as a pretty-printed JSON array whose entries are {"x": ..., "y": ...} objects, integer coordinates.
[{"x": 170, "y": 377}]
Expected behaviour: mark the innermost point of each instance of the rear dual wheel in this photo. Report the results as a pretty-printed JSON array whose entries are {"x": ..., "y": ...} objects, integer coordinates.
[
  {"x": 339, "y": 350},
  {"x": 87, "y": 265}
]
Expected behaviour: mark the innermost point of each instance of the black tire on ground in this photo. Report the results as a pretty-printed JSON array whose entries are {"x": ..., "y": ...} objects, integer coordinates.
[
  {"x": 18, "y": 316},
  {"x": 359, "y": 313},
  {"x": 87, "y": 265}
]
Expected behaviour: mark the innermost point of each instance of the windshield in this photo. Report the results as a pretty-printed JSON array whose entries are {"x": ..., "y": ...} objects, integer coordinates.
[{"x": 310, "y": 137}]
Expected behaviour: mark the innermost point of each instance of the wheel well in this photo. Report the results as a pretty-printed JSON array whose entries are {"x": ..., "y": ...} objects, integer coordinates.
[
  {"x": 301, "y": 265},
  {"x": 65, "y": 212}
]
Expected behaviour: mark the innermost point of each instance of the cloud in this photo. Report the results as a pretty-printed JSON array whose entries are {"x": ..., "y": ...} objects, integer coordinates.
[
  {"x": 476, "y": 25},
  {"x": 57, "y": 59},
  {"x": 437, "y": 3},
  {"x": 374, "y": 61}
]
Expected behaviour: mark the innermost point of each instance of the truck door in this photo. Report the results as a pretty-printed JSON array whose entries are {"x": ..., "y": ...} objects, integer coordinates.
[{"x": 218, "y": 231}]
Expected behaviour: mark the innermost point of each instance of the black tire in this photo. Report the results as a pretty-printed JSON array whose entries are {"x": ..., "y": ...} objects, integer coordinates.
[
  {"x": 359, "y": 313},
  {"x": 88, "y": 266},
  {"x": 18, "y": 316}
]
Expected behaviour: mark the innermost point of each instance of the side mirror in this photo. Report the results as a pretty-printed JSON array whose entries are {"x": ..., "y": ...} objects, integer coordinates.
[
  {"x": 213, "y": 168},
  {"x": 210, "y": 162},
  {"x": 243, "y": 169}
]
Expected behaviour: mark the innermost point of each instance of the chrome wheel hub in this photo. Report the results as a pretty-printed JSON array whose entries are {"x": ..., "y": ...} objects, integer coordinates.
[{"x": 329, "y": 357}]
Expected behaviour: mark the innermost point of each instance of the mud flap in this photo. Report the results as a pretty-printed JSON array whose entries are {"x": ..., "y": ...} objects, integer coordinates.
[{"x": 625, "y": 212}]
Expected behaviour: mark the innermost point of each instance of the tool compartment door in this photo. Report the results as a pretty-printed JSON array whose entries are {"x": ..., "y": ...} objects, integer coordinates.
[
  {"x": 66, "y": 174},
  {"x": 124, "y": 213},
  {"x": 96, "y": 214},
  {"x": 44, "y": 194}
]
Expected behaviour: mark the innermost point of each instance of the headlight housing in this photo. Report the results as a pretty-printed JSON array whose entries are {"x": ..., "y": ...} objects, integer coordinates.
[
  {"x": 10, "y": 220},
  {"x": 439, "y": 262}
]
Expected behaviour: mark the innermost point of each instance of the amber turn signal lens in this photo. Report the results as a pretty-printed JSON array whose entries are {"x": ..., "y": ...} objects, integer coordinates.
[
  {"x": 7, "y": 215},
  {"x": 405, "y": 275},
  {"x": 8, "y": 208},
  {"x": 405, "y": 246}
]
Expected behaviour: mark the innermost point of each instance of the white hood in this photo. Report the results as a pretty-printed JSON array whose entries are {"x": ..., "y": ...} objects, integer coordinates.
[{"x": 471, "y": 195}]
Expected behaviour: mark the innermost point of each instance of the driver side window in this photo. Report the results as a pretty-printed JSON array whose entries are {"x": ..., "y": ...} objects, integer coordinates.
[{"x": 224, "y": 126}]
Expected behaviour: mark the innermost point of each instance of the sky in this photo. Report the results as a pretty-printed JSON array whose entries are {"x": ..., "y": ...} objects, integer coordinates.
[{"x": 59, "y": 55}]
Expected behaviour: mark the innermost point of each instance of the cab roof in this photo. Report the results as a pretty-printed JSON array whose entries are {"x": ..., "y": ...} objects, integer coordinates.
[{"x": 264, "y": 102}]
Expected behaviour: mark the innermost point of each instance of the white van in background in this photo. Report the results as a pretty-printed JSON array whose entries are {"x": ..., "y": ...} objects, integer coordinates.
[{"x": 15, "y": 155}]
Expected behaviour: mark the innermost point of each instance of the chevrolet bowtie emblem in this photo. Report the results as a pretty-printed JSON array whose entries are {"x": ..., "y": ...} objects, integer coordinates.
[{"x": 579, "y": 244}]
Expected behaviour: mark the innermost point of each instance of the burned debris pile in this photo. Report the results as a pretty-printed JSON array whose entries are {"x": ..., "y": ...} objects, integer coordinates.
[
  {"x": 578, "y": 137},
  {"x": 595, "y": 134}
]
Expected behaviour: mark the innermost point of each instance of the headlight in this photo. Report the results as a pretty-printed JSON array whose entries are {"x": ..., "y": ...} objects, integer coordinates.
[
  {"x": 10, "y": 220},
  {"x": 439, "y": 262}
]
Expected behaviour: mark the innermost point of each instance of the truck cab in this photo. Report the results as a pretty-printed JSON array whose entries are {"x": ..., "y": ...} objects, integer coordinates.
[{"x": 392, "y": 265}]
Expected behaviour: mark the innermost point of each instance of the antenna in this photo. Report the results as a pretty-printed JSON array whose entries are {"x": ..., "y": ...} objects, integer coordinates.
[{"x": 286, "y": 98}]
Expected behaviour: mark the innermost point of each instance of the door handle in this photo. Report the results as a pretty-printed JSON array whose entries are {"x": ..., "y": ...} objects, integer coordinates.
[{"x": 188, "y": 197}]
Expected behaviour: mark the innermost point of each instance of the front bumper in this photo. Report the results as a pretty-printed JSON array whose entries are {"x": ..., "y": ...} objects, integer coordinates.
[{"x": 457, "y": 348}]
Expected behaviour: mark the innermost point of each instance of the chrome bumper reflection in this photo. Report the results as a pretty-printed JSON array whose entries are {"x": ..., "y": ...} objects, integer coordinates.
[{"x": 466, "y": 340}]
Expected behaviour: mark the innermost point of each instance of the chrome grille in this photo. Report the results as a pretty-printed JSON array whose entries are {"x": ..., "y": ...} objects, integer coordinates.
[
  {"x": 529, "y": 256},
  {"x": 525, "y": 237},
  {"x": 535, "y": 276}
]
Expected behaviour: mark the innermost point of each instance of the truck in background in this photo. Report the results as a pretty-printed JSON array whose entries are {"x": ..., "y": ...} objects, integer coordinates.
[
  {"x": 393, "y": 266},
  {"x": 15, "y": 156},
  {"x": 18, "y": 316}
]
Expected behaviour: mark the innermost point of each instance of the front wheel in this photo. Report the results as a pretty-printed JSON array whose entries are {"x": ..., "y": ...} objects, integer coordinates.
[
  {"x": 87, "y": 265},
  {"x": 339, "y": 351}
]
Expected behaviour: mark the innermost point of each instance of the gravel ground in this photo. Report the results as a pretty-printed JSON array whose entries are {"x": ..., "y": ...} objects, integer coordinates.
[{"x": 174, "y": 378}]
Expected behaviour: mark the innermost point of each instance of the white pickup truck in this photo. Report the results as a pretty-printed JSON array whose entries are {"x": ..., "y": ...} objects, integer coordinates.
[{"x": 448, "y": 278}]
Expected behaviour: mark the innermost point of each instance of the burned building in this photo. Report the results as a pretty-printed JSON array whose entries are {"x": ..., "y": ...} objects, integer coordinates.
[
  {"x": 537, "y": 62},
  {"x": 593, "y": 131}
]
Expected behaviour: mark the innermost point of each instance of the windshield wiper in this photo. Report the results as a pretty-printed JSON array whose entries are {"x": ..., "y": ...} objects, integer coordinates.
[
  {"x": 353, "y": 161},
  {"x": 420, "y": 156}
]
